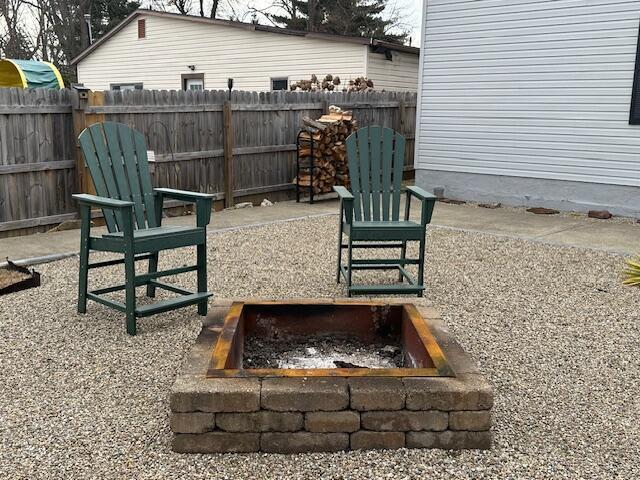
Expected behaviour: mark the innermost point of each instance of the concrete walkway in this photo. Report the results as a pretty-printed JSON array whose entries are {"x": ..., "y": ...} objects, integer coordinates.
[{"x": 615, "y": 235}]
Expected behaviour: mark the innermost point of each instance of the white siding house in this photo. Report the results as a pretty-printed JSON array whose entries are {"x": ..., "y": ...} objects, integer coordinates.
[
  {"x": 528, "y": 102},
  {"x": 399, "y": 73},
  {"x": 154, "y": 50}
]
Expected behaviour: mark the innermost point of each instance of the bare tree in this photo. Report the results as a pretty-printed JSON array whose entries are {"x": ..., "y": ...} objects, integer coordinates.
[
  {"x": 205, "y": 8},
  {"x": 183, "y": 6},
  {"x": 273, "y": 12},
  {"x": 313, "y": 14},
  {"x": 15, "y": 41},
  {"x": 214, "y": 9}
]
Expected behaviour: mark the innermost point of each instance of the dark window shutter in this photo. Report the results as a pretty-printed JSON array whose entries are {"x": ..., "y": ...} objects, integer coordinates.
[
  {"x": 634, "y": 115},
  {"x": 142, "y": 28}
]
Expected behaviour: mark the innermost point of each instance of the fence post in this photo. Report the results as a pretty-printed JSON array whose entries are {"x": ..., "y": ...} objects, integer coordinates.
[
  {"x": 79, "y": 103},
  {"x": 228, "y": 154},
  {"x": 82, "y": 100}
]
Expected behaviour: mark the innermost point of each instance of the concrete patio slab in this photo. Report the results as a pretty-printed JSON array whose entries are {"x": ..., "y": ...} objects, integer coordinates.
[{"x": 576, "y": 230}]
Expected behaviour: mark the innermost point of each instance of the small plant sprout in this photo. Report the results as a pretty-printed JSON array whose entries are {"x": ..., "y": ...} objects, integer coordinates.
[{"x": 632, "y": 272}]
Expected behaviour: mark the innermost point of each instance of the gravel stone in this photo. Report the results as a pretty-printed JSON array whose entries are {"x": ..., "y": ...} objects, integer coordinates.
[{"x": 550, "y": 326}]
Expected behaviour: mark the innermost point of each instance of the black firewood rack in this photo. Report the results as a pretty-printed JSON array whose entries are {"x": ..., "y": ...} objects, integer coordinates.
[{"x": 305, "y": 164}]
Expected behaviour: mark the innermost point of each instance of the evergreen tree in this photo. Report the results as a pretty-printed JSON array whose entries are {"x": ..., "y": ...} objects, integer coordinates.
[
  {"x": 294, "y": 16},
  {"x": 106, "y": 14},
  {"x": 362, "y": 18}
]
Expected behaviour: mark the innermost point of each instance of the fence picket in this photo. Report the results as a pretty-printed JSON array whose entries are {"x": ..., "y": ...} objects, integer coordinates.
[{"x": 185, "y": 129}]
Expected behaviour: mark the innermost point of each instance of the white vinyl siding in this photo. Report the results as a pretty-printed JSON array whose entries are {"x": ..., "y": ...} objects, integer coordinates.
[
  {"x": 251, "y": 58},
  {"x": 528, "y": 88},
  {"x": 398, "y": 74}
]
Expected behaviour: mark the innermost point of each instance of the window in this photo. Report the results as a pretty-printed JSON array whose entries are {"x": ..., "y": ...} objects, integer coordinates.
[
  {"x": 126, "y": 86},
  {"x": 195, "y": 84},
  {"x": 279, "y": 83},
  {"x": 193, "y": 81},
  {"x": 142, "y": 28},
  {"x": 634, "y": 114}
]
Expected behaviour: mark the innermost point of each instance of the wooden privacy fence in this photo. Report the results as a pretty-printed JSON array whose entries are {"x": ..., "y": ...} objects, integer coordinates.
[{"x": 203, "y": 140}]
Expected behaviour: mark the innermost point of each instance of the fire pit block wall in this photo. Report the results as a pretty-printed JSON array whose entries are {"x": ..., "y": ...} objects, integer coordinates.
[{"x": 326, "y": 414}]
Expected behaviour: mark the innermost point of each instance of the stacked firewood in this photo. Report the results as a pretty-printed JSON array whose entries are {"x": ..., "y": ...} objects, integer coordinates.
[
  {"x": 329, "y": 83},
  {"x": 328, "y": 153},
  {"x": 360, "y": 84}
]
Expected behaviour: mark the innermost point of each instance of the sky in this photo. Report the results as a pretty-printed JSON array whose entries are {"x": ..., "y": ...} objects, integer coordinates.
[{"x": 415, "y": 20}]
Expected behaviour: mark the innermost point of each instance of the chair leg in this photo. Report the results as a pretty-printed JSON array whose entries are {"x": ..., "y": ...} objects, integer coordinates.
[
  {"x": 420, "y": 279},
  {"x": 339, "y": 251},
  {"x": 85, "y": 213},
  {"x": 202, "y": 276},
  {"x": 153, "y": 268},
  {"x": 130, "y": 290},
  {"x": 349, "y": 270},
  {"x": 403, "y": 256}
]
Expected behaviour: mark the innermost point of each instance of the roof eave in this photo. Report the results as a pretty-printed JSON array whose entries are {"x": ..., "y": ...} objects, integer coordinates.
[
  {"x": 247, "y": 26},
  {"x": 106, "y": 37}
]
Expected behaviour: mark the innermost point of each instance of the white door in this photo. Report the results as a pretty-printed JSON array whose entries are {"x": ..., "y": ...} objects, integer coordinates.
[{"x": 195, "y": 84}]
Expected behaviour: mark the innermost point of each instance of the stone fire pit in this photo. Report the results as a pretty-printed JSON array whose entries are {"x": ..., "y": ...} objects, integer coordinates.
[{"x": 400, "y": 380}]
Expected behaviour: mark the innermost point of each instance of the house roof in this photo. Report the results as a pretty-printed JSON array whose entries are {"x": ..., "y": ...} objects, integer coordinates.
[{"x": 247, "y": 26}]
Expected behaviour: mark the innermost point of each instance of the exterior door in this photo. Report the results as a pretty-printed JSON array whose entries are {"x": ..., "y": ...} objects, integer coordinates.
[{"x": 192, "y": 81}]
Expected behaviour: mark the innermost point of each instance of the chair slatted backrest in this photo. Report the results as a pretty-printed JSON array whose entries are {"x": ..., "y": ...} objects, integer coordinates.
[
  {"x": 376, "y": 164},
  {"x": 117, "y": 159}
]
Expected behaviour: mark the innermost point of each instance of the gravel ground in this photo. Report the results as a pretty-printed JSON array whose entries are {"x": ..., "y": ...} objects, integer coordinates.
[{"x": 551, "y": 327}]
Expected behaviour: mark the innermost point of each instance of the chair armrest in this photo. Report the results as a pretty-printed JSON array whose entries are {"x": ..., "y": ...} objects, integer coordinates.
[
  {"x": 122, "y": 210},
  {"x": 202, "y": 201},
  {"x": 419, "y": 193},
  {"x": 428, "y": 202},
  {"x": 102, "y": 202},
  {"x": 183, "y": 194},
  {"x": 342, "y": 192},
  {"x": 346, "y": 203}
]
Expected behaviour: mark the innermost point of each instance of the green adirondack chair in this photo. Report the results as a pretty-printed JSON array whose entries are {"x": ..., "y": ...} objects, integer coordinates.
[
  {"x": 370, "y": 213},
  {"x": 117, "y": 159}
]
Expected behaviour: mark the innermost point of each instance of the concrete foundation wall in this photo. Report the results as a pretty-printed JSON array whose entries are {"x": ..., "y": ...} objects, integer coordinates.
[{"x": 534, "y": 192}]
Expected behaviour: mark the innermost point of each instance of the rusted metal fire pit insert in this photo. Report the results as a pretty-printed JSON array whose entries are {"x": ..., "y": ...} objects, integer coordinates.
[{"x": 368, "y": 321}]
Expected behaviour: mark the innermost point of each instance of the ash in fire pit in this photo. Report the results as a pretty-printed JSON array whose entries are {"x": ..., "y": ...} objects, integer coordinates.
[{"x": 321, "y": 352}]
